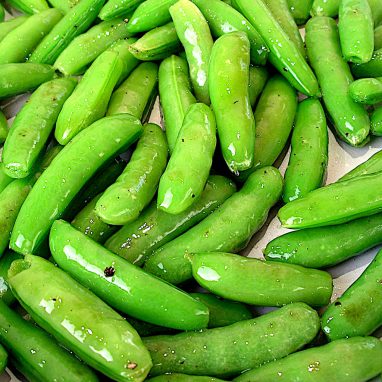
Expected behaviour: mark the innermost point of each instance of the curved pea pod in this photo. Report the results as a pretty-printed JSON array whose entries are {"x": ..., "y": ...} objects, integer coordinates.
[
  {"x": 285, "y": 55},
  {"x": 175, "y": 95},
  {"x": 76, "y": 21},
  {"x": 190, "y": 163},
  {"x": 20, "y": 42},
  {"x": 309, "y": 154},
  {"x": 134, "y": 189},
  {"x": 376, "y": 122},
  {"x": 32, "y": 126},
  {"x": 371, "y": 166},
  {"x": 67, "y": 174},
  {"x": 366, "y": 90},
  {"x": 4, "y": 178},
  {"x": 300, "y": 10},
  {"x": 11, "y": 24},
  {"x": 154, "y": 228},
  {"x": 358, "y": 312},
  {"x": 135, "y": 93},
  {"x": 328, "y": 8},
  {"x": 376, "y": 10},
  {"x": 85, "y": 48},
  {"x": 3, "y": 131},
  {"x": 354, "y": 359},
  {"x": 258, "y": 77},
  {"x": 215, "y": 352},
  {"x": 183, "y": 378},
  {"x": 123, "y": 285},
  {"x": 229, "y": 92},
  {"x": 23, "y": 77},
  {"x": 50, "y": 295},
  {"x": 350, "y": 119},
  {"x": 373, "y": 68},
  {"x": 194, "y": 33},
  {"x": 29, "y": 6},
  {"x": 229, "y": 228},
  {"x": 118, "y": 8},
  {"x": 272, "y": 131},
  {"x": 223, "y": 19},
  {"x": 64, "y": 5},
  {"x": 88, "y": 102},
  {"x": 5, "y": 262}
]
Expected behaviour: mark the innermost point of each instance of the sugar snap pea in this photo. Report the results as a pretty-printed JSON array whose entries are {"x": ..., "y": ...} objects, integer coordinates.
[
  {"x": 68, "y": 173},
  {"x": 378, "y": 38},
  {"x": 118, "y": 8},
  {"x": 93, "y": 331},
  {"x": 258, "y": 77},
  {"x": 376, "y": 122},
  {"x": 29, "y": 6},
  {"x": 88, "y": 102},
  {"x": 182, "y": 378},
  {"x": 354, "y": 359},
  {"x": 349, "y": 118},
  {"x": 5, "y": 262},
  {"x": 373, "y": 68},
  {"x": 366, "y": 90},
  {"x": 327, "y": 8},
  {"x": 11, "y": 24},
  {"x": 371, "y": 166},
  {"x": 63, "y": 5},
  {"x": 154, "y": 228},
  {"x": 76, "y": 21},
  {"x": 229, "y": 92},
  {"x": 300, "y": 10},
  {"x": 215, "y": 352},
  {"x": 194, "y": 33},
  {"x": 3, "y": 131},
  {"x": 229, "y": 228},
  {"x": 124, "y": 200},
  {"x": 4, "y": 178}
]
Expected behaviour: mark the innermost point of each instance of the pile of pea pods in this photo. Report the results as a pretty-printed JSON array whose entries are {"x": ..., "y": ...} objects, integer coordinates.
[{"x": 121, "y": 240}]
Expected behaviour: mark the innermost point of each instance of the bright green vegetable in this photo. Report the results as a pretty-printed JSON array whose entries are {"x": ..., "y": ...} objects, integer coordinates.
[
  {"x": 327, "y": 8},
  {"x": 378, "y": 38},
  {"x": 118, "y": 8},
  {"x": 258, "y": 77},
  {"x": 182, "y": 378},
  {"x": 64, "y": 5},
  {"x": 376, "y": 122},
  {"x": 376, "y": 10},
  {"x": 5, "y": 262},
  {"x": 373, "y": 68},
  {"x": 11, "y": 24},
  {"x": 29, "y": 6},
  {"x": 371, "y": 166},
  {"x": 3, "y": 131},
  {"x": 4, "y": 178},
  {"x": 2, "y": 13},
  {"x": 300, "y": 10},
  {"x": 367, "y": 90}
]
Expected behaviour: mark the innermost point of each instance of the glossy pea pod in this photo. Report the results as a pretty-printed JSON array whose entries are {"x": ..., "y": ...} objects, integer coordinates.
[
  {"x": 64, "y": 5},
  {"x": 376, "y": 122},
  {"x": 370, "y": 166},
  {"x": 17, "y": 45},
  {"x": 67, "y": 174},
  {"x": 29, "y": 6},
  {"x": 367, "y": 90},
  {"x": 223, "y": 19},
  {"x": 11, "y": 24},
  {"x": 373, "y": 68},
  {"x": 309, "y": 153},
  {"x": 182, "y": 378},
  {"x": 285, "y": 55},
  {"x": 300, "y": 10},
  {"x": 76, "y": 21},
  {"x": 3, "y": 131},
  {"x": 85, "y": 48},
  {"x": 88, "y": 102},
  {"x": 118, "y": 8},
  {"x": 32, "y": 126},
  {"x": 5, "y": 262},
  {"x": 258, "y": 77},
  {"x": 229, "y": 92},
  {"x": 49, "y": 295},
  {"x": 215, "y": 352},
  {"x": 194, "y": 33},
  {"x": 229, "y": 228},
  {"x": 328, "y": 8},
  {"x": 153, "y": 228},
  {"x": 22, "y": 77},
  {"x": 358, "y": 312},
  {"x": 187, "y": 171},
  {"x": 378, "y": 38},
  {"x": 354, "y": 359},
  {"x": 349, "y": 118}
]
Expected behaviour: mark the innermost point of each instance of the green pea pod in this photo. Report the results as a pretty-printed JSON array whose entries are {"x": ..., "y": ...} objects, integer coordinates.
[
  {"x": 349, "y": 118},
  {"x": 223, "y": 19},
  {"x": 20, "y": 42},
  {"x": 309, "y": 154},
  {"x": 79, "y": 319},
  {"x": 85, "y": 48},
  {"x": 64, "y": 5},
  {"x": 358, "y": 312},
  {"x": 32, "y": 126},
  {"x": 229, "y": 91},
  {"x": 354, "y": 359},
  {"x": 229, "y": 228},
  {"x": 258, "y": 77},
  {"x": 323, "y": 247},
  {"x": 216, "y": 351},
  {"x": 371, "y": 166},
  {"x": 29, "y": 6},
  {"x": 88, "y": 102},
  {"x": 300, "y": 10},
  {"x": 154, "y": 228},
  {"x": 194, "y": 33},
  {"x": 135, "y": 92},
  {"x": 272, "y": 131},
  {"x": 20, "y": 78},
  {"x": 328, "y": 8},
  {"x": 175, "y": 95},
  {"x": 5, "y": 262},
  {"x": 285, "y": 55},
  {"x": 376, "y": 10},
  {"x": 190, "y": 163},
  {"x": 3, "y": 131},
  {"x": 118, "y": 8},
  {"x": 377, "y": 38},
  {"x": 11, "y": 24},
  {"x": 183, "y": 378},
  {"x": 373, "y": 68},
  {"x": 134, "y": 189},
  {"x": 367, "y": 90},
  {"x": 75, "y": 22},
  {"x": 4, "y": 178},
  {"x": 376, "y": 122},
  {"x": 68, "y": 173}
]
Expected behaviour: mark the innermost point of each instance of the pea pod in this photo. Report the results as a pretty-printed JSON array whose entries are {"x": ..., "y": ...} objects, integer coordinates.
[
  {"x": 32, "y": 126},
  {"x": 194, "y": 33},
  {"x": 4, "y": 178},
  {"x": 285, "y": 55},
  {"x": 3, "y": 131},
  {"x": 367, "y": 90},
  {"x": 215, "y": 352},
  {"x": 258, "y": 77},
  {"x": 49, "y": 295},
  {"x": 29, "y": 6},
  {"x": 88, "y": 102},
  {"x": 354, "y": 359},
  {"x": 182, "y": 378},
  {"x": 373, "y": 68},
  {"x": 349, "y": 118},
  {"x": 11, "y": 24},
  {"x": 229, "y": 228},
  {"x": 229, "y": 91},
  {"x": 376, "y": 122},
  {"x": 371, "y": 166},
  {"x": 154, "y": 228},
  {"x": 68, "y": 173},
  {"x": 64, "y": 5},
  {"x": 20, "y": 78},
  {"x": 5, "y": 262},
  {"x": 124, "y": 200},
  {"x": 85, "y": 48},
  {"x": 118, "y": 8},
  {"x": 328, "y": 8},
  {"x": 76, "y": 21},
  {"x": 300, "y": 10},
  {"x": 223, "y": 19},
  {"x": 378, "y": 38}
]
